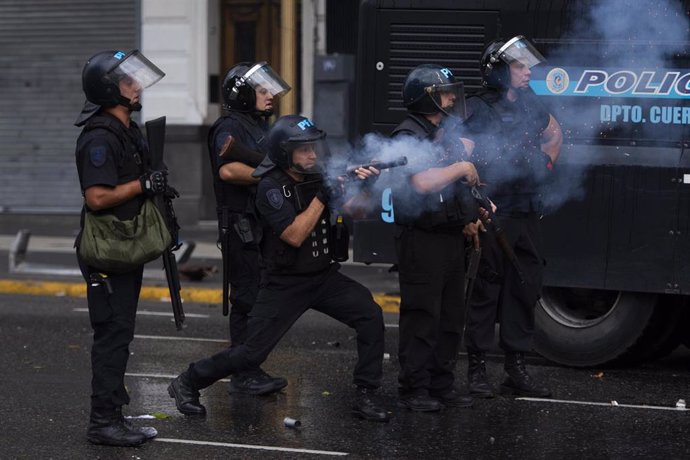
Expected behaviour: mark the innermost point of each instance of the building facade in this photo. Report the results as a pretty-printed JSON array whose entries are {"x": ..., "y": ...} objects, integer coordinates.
[{"x": 45, "y": 44}]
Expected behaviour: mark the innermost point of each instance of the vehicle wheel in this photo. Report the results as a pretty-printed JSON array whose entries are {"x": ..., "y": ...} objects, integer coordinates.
[{"x": 588, "y": 327}]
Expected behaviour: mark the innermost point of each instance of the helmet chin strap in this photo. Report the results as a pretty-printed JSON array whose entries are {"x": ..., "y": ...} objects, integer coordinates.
[
  {"x": 123, "y": 101},
  {"x": 440, "y": 109},
  {"x": 263, "y": 113},
  {"x": 300, "y": 170}
]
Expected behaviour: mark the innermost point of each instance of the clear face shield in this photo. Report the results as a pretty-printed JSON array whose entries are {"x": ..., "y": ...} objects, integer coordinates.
[
  {"x": 136, "y": 69},
  {"x": 450, "y": 98},
  {"x": 261, "y": 76},
  {"x": 520, "y": 49},
  {"x": 308, "y": 156}
]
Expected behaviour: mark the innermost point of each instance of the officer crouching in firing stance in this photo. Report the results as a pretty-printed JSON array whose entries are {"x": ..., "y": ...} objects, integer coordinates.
[
  {"x": 298, "y": 272},
  {"x": 111, "y": 156},
  {"x": 518, "y": 141},
  {"x": 237, "y": 145},
  {"x": 434, "y": 214}
]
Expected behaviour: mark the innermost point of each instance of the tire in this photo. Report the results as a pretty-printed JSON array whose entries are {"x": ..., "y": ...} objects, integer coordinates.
[{"x": 588, "y": 328}]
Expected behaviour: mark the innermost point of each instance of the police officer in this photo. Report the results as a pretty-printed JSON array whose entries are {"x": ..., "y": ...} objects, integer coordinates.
[
  {"x": 236, "y": 145},
  {"x": 115, "y": 178},
  {"x": 433, "y": 218},
  {"x": 293, "y": 203},
  {"x": 518, "y": 141}
]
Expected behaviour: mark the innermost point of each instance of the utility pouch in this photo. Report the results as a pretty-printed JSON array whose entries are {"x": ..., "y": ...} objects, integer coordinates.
[
  {"x": 243, "y": 227},
  {"x": 119, "y": 246},
  {"x": 340, "y": 241}
]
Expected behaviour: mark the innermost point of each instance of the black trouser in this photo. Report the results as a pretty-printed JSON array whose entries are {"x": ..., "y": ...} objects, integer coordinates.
[
  {"x": 244, "y": 280},
  {"x": 432, "y": 271},
  {"x": 112, "y": 320},
  {"x": 281, "y": 301},
  {"x": 498, "y": 291}
]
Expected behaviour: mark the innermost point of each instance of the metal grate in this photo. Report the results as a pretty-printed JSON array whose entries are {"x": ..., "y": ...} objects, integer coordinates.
[
  {"x": 457, "y": 47},
  {"x": 44, "y": 46}
]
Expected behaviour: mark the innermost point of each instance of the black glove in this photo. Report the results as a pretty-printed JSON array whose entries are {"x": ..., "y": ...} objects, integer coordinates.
[
  {"x": 154, "y": 182},
  {"x": 330, "y": 190}
]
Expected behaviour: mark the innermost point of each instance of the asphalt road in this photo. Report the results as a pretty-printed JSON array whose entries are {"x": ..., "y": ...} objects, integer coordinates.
[{"x": 46, "y": 381}]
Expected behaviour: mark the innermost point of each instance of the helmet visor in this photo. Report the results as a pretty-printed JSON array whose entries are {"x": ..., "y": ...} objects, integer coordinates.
[
  {"x": 262, "y": 77},
  {"x": 520, "y": 49},
  {"x": 308, "y": 156},
  {"x": 451, "y": 97},
  {"x": 136, "y": 67}
]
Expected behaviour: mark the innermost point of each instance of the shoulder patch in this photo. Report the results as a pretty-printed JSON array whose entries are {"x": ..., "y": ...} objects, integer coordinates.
[
  {"x": 97, "y": 155},
  {"x": 275, "y": 198}
]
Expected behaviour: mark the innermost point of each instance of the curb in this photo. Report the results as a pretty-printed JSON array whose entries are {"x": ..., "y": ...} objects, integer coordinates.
[{"x": 389, "y": 303}]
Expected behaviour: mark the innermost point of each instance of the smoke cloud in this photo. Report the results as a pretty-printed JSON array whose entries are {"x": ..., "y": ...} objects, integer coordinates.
[{"x": 610, "y": 35}]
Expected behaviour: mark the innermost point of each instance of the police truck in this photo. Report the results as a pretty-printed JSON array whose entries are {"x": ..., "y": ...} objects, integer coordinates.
[{"x": 617, "y": 216}]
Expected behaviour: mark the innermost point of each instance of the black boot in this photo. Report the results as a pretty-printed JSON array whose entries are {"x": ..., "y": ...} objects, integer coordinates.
[
  {"x": 453, "y": 398},
  {"x": 477, "y": 382},
  {"x": 420, "y": 403},
  {"x": 519, "y": 381},
  {"x": 365, "y": 407},
  {"x": 106, "y": 427},
  {"x": 186, "y": 396},
  {"x": 148, "y": 431},
  {"x": 255, "y": 382}
]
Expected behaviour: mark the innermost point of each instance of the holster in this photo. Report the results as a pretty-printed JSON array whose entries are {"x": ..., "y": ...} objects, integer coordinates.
[{"x": 243, "y": 228}]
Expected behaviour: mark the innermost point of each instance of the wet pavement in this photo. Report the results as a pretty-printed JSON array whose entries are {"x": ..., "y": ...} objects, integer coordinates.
[{"x": 46, "y": 384}]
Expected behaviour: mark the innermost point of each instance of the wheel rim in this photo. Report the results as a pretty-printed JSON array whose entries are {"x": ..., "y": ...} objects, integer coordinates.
[{"x": 579, "y": 308}]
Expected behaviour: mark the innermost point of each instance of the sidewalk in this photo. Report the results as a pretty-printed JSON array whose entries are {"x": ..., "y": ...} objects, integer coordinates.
[
  {"x": 65, "y": 245},
  {"x": 48, "y": 267}
]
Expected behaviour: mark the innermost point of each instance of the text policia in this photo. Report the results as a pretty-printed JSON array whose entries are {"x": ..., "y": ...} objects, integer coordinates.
[{"x": 667, "y": 85}]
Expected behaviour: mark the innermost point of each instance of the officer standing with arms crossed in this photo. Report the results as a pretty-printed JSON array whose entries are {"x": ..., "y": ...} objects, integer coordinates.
[
  {"x": 111, "y": 157},
  {"x": 237, "y": 145},
  {"x": 298, "y": 274},
  {"x": 433, "y": 218},
  {"x": 518, "y": 141}
]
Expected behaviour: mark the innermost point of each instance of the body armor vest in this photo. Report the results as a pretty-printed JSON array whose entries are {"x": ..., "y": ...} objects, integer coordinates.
[
  {"x": 447, "y": 209},
  {"x": 515, "y": 146},
  {"x": 132, "y": 157},
  {"x": 233, "y": 197},
  {"x": 314, "y": 253}
]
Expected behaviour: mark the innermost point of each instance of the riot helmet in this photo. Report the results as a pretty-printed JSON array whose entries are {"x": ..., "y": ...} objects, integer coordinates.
[
  {"x": 423, "y": 89},
  {"x": 499, "y": 54},
  {"x": 290, "y": 133},
  {"x": 243, "y": 81},
  {"x": 103, "y": 73}
]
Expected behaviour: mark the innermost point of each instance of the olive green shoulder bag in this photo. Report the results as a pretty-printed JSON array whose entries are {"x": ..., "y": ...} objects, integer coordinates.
[{"x": 118, "y": 246}]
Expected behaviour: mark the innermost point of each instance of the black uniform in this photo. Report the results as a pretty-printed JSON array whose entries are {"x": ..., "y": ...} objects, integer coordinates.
[
  {"x": 108, "y": 153},
  {"x": 235, "y": 208},
  {"x": 293, "y": 281},
  {"x": 431, "y": 260},
  {"x": 508, "y": 158}
]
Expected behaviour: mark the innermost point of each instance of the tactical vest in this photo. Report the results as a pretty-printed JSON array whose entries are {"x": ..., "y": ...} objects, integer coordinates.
[
  {"x": 232, "y": 197},
  {"x": 445, "y": 210},
  {"x": 314, "y": 253},
  {"x": 515, "y": 129},
  {"x": 132, "y": 157},
  {"x": 136, "y": 149}
]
